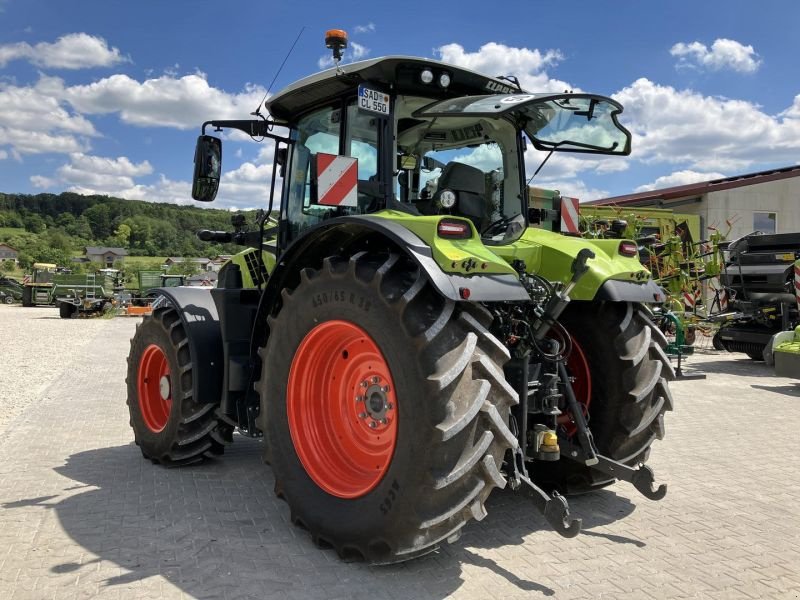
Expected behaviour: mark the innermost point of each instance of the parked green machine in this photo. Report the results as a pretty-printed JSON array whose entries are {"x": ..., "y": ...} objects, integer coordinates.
[
  {"x": 84, "y": 294},
  {"x": 411, "y": 343},
  {"x": 11, "y": 290}
]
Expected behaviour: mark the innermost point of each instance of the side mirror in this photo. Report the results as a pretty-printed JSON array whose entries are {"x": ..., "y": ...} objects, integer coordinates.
[{"x": 207, "y": 168}]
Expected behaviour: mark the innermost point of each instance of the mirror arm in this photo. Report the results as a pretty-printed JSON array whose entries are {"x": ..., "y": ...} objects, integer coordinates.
[{"x": 252, "y": 127}]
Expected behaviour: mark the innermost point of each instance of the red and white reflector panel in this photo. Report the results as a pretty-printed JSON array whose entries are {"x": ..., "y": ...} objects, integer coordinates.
[
  {"x": 569, "y": 215},
  {"x": 797, "y": 281},
  {"x": 26, "y": 279},
  {"x": 689, "y": 299},
  {"x": 337, "y": 179},
  {"x": 721, "y": 294}
]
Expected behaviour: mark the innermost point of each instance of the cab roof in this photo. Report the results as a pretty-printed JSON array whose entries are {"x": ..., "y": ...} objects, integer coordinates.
[{"x": 390, "y": 73}]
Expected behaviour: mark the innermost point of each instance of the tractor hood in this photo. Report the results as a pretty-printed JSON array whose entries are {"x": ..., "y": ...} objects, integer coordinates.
[{"x": 559, "y": 122}]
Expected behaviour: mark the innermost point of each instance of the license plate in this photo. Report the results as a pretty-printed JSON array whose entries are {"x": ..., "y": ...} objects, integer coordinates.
[{"x": 373, "y": 100}]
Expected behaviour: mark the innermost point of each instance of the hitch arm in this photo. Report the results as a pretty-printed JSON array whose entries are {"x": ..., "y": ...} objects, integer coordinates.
[
  {"x": 641, "y": 476},
  {"x": 554, "y": 508}
]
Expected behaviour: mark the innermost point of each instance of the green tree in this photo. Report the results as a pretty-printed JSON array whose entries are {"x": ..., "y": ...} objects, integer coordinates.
[
  {"x": 34, "y": 223},
  {"x": 121, "y": 237},
  {"x": 8, "y": 266}
]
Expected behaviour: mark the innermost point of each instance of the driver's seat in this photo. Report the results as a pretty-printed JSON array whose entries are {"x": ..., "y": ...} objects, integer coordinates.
[{"x": 469, "y": 185}]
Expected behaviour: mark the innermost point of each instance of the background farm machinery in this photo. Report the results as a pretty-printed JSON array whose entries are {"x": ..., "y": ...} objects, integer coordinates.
[{"x": 740, "y": 293}]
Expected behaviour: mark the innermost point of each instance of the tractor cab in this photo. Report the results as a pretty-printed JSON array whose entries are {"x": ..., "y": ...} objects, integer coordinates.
[{"x": 416, "y": 136}]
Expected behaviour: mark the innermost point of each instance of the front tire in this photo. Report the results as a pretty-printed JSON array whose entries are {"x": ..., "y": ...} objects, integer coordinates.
[
  {"x": 66, "y": 310},
  {"x": 169, "y": 426},
  {"x": 627, "y": 389},
  {"x": 380, "y": 366}
]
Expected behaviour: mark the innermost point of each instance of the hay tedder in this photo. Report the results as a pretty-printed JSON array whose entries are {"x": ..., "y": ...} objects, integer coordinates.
[{"x": 400, "y": 337}]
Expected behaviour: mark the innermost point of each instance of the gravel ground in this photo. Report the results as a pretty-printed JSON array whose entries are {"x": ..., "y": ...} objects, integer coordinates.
[{"x": 37, "y": 348}]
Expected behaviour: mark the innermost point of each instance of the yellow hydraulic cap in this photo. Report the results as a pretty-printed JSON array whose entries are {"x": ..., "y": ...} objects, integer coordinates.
[{"x": 550, "y": 439}]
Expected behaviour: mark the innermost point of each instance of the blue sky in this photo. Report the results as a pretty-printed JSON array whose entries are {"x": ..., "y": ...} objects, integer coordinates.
[{"x": 100, "y": 96}]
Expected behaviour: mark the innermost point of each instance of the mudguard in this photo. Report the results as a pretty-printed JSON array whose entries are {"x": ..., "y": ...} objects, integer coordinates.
[
  {"x": 199, "y": 316},
  {"x": 326, "y": 239}
]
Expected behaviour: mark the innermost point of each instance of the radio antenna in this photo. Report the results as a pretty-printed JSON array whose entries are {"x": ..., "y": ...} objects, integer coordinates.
[{"x": 257, "y": 111}]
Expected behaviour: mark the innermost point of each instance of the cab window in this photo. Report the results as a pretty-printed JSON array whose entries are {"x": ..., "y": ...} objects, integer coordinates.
[{"x": 332, "y": 130}]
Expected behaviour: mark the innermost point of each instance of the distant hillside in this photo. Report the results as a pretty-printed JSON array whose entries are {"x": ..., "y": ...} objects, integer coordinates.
[{"x": 53, "y": 228}]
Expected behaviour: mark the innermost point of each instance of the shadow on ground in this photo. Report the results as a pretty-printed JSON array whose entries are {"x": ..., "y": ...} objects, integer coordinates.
[
  {"x": 218, "y": 526},
  {"x": 726, "y": 364}
]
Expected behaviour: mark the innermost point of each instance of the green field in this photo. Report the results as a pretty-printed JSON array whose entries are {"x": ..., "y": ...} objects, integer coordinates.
[{"x": 9, "y": 232}]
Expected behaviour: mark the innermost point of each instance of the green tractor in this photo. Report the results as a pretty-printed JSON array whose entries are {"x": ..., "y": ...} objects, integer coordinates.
[{"x": 401, "y": 338}]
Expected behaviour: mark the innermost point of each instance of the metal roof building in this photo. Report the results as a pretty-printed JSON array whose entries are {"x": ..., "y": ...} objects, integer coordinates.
[{"x": 767, "y": 201}]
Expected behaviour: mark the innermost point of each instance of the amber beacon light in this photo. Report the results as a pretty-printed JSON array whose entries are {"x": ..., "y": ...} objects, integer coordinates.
[{"x": 336, "y": 40}]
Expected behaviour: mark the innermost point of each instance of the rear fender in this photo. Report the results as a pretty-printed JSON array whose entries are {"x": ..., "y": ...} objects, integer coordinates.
[
  {"x": 611, "y": 276},
  {"x": 348, "y": 235}
]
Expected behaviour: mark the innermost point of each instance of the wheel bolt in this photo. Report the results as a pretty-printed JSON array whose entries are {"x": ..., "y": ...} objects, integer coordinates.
[
  {"x": 383, "y": 421},
  {"x": 373, "y": 424},
  {"x": 364, "y": 384},
  {"x": 385, "y": 389},
  {"x": 359, "y": 398},
  {"x": 389, "y": 406},
  {"x": 376, "y": 379},
  {"x": 362, "y": 415}
]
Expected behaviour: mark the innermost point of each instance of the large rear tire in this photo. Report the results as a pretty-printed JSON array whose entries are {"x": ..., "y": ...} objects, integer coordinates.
[
  {"x": 27, "y": 296},
  {"x": 628, "y": 391},
  {"x": 169, "y": 426},
  {"x": 392, "y": 429}
]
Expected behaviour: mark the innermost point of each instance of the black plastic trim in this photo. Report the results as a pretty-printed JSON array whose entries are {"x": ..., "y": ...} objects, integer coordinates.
[{"x": 629, "y": 291}]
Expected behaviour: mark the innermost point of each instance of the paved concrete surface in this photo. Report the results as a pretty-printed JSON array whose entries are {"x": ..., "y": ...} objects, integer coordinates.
[{"x": 82, "y": 515}]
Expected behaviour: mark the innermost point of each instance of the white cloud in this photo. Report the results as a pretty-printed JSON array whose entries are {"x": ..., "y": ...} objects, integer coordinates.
[
  {"x": 38, "y": 142},
  {"x": 3, "y": 155},
  {"x": 678, "y": 178},
  {"x": 164, "y": 190},
  {"x": 368, "y": 28},
  {"x": 574, "y": 188},
  {"x": 724, "y": 54},
  {"x": 166, "y": 101},
  {"x": 706, "y": 133},
  {"x": 72, "y": 51},
  {"x": 39, "y": 181},
  {"x": 495, "y": 59},
  {"x": 33, "y": 120},
  {"x": 354, "y": 52}
]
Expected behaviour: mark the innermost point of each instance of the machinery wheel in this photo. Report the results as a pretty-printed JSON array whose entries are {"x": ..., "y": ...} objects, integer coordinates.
[
  {"x": 66, "y": 310},
  {"x": 385, "y": 406},
  {"x": 8, "y": 299},
  {"x": 27, "y": 296},
  {"x": 756, "y": 355},
  {"x": 716, "y": 341},
  {"x": 621, "y": 378},
  {"x": 168, "y": 425}
]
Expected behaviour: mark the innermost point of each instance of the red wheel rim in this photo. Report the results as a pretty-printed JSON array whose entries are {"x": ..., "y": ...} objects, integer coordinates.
[
  {"x": 578, "y": 369},
  {"x": 342, "y": 409},
  {"x": 155, "y": 388}
]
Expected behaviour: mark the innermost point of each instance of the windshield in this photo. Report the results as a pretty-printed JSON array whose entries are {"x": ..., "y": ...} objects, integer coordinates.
[
  {"x": 562, "y": 122},
  {"x": 463, "y": 167}
]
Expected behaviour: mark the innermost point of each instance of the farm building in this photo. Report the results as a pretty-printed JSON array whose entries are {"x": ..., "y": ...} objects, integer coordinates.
[
  {"x": 768, "y": 201},
  {"x": 8, "y": 253}
]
